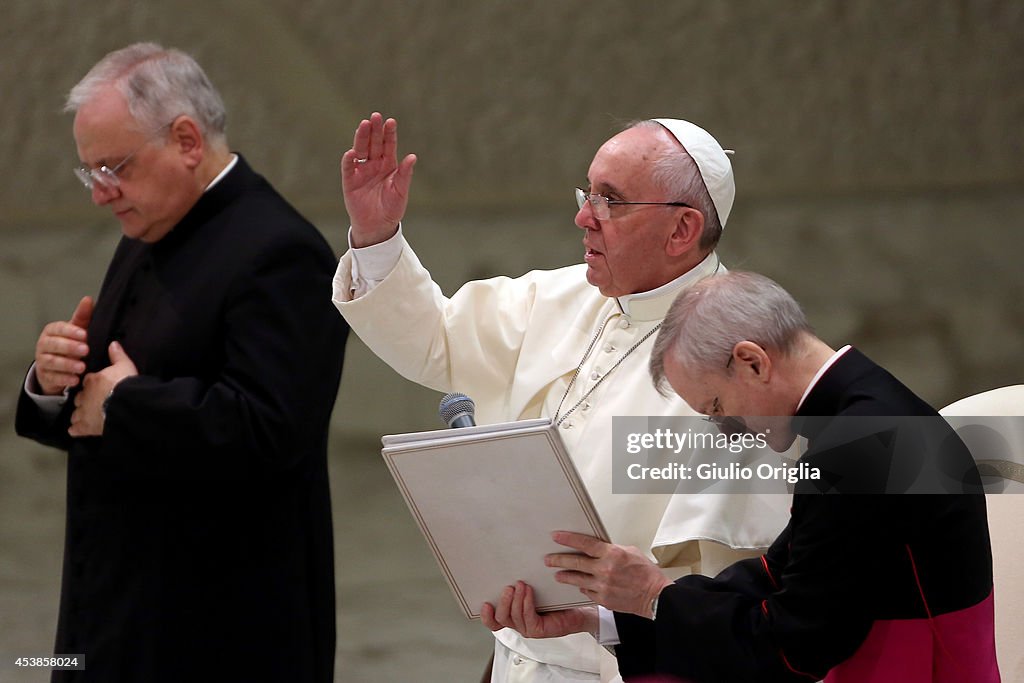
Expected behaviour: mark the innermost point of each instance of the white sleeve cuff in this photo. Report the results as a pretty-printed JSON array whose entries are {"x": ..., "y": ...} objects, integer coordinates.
[
  {"x": 608, "y": 634},
  {"x": 370, "y": 265},
  {"x": 49, "y": 405}
]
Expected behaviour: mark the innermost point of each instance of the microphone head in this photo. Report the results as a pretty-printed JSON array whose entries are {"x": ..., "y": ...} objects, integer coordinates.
[{"x": 455, "y": 405}]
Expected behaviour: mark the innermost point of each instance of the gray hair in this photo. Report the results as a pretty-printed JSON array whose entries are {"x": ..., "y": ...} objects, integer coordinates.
[
  {"x": 677, "y": 174},
  {"x": 158, "y": 85},
  {"x": 707, "y": 320}
]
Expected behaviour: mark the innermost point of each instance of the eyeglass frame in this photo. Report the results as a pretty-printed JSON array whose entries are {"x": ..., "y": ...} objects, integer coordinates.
[
  {"x": 593, "y": 197},
  {"x": 716, "y": 405},
  {"x": 107, "y": 177}
]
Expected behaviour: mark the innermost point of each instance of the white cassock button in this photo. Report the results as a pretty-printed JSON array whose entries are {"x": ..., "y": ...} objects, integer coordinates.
[
  {"x": 609, "y": 347},
  {"x": 595, "y": 375},
  {"x": 567, "y": 424},
  {"x": 624, "y": 323},
  {"x": 517, "y": 660},
  {"x": 585, "y": 407}
]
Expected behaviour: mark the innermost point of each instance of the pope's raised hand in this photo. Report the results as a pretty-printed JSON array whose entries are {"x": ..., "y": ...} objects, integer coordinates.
[{"x": 375, "y": 184}]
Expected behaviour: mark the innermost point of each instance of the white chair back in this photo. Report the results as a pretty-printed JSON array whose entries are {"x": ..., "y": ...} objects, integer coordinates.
[{"x": 1005, "y": 457}]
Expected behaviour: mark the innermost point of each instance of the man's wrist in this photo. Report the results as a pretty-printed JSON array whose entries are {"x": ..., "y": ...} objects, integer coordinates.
[
  {"x": 653, "y": 606},
  {"x": 365, "y": 239},
  {"x": 106, "y": 403},
  {"x": 105, "y": 406}
]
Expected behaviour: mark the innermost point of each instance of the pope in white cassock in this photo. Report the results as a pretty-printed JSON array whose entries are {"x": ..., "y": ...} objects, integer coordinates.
[{"x": 571, "y": 344}]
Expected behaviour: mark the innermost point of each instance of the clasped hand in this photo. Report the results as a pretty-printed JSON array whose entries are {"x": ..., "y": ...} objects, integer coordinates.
[
  {"x": 60, "y": 362},
  {"x": 88, "y": 418}
]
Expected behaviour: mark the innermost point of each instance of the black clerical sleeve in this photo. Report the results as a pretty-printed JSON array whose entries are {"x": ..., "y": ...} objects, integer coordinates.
[
  {"x": 790, "y": 616},
  {"x": 49, "y": 429}
]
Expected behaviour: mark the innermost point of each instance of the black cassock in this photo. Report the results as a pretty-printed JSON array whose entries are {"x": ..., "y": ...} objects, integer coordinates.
[
  {"x": 906, "y": 576},
  {"x": 198, "y": 543}
]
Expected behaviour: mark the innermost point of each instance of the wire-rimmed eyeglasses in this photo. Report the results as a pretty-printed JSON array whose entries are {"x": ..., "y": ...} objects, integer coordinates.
[
  {"x": 106, "y": 177},
  {"x": 717, "y": 416},
  {"x": 601, "y": 205}
]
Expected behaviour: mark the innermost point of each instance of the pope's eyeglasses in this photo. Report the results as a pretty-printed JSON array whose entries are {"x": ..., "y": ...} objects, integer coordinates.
[{"x": 601, "y": 205}]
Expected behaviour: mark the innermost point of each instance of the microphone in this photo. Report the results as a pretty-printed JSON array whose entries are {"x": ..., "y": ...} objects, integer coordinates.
[{"x": 457, "y": 410}]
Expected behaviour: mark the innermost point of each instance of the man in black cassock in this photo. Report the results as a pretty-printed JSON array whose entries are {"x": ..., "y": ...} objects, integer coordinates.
[{"x": 193, "y": 397}]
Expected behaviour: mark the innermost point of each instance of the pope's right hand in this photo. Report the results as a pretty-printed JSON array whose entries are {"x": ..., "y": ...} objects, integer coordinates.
[
  {"x": 375, "y": 185},
  {"x": 61, "y": 349}
]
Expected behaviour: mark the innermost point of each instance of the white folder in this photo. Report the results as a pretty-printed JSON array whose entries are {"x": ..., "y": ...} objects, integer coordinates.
[{"x": 487, "y": 499}]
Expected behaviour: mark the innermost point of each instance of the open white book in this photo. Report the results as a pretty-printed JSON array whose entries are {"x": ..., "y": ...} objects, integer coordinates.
[{"x": 487, "y": 499}]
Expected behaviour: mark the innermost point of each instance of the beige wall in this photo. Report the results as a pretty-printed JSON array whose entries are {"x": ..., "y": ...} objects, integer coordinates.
[
  {"x": 880, "y": 151},
  {"x": 511, "y": 98}
]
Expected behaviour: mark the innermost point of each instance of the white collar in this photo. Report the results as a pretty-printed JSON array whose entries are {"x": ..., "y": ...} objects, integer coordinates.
[
  {"x": 821, "y": 371},
  {"x": 654, "y": 304},
  {"x": 220, "y": 176}
]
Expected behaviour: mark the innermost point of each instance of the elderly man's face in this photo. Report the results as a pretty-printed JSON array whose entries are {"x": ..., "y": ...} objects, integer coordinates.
[
  {"x": 735, "y": 398},
  {"x": 154, "y": 190},
  {"x": 626, "y": 254}
]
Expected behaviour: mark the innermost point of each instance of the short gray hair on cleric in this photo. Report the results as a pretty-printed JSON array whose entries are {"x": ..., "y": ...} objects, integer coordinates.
[
  {"x": 158, "y": 84},
  {"x": 707, "y": 320},
  {"x": 676, "y": 172}
]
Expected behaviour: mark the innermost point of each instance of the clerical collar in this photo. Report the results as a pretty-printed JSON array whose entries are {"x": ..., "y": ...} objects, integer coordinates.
[
  {"x": 821, "y": 371},
  {"x": 654, "y": 304},
  {"x": 220, "y": 176}
]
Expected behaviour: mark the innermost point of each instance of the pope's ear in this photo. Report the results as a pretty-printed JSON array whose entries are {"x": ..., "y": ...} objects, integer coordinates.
[{"x": 687, "y": 232}]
